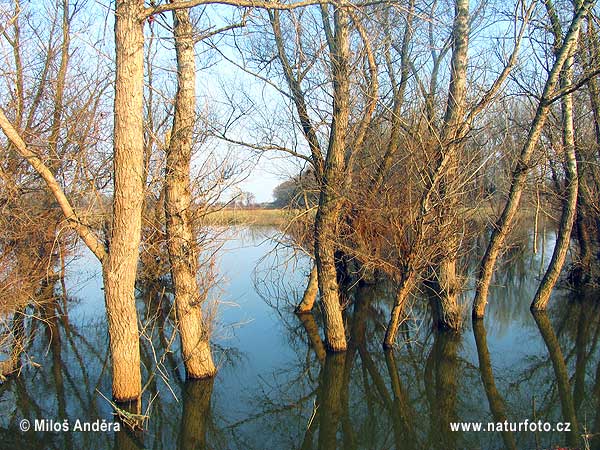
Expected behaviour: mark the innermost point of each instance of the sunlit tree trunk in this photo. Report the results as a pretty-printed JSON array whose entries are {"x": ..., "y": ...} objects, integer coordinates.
[
  {"x": 397, "y": 315},
  {"x": 330, "y": 200},
  {"x": 180, "y": 234},
  {"x": 128, "y": 166},
  {"x": 447, "y": 279},
  {"x": 563, "y": 240},
  {"x": 542, "y": 296},
  {"x": 310, "y": 293}
]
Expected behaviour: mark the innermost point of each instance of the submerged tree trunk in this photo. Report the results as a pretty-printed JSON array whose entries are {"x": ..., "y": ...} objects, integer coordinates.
[
  {"x": 181, "y": 241},
  {"x": 404, "y": 290},
  {"x": 519, "y": 176},
  {"x": 128, "y": 165},
  {"x": 330, "y": 200}
]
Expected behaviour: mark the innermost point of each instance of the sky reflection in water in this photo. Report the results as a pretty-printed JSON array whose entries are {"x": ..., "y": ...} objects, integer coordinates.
[{"x": 276, "y": 388}]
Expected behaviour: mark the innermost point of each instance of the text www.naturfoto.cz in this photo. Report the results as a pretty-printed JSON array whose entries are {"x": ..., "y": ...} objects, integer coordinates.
[{"x": 526, "y": 426}]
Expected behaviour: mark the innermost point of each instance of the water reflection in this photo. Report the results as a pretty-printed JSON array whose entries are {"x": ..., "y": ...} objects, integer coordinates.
[
  {"x": 282, "y": 390},
  {"x": 495, "y": 400}
]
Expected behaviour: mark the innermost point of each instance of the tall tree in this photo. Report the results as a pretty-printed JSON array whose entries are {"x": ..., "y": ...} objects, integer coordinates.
[
  {"x": 504, "y": 223},
  {"x": 181, "y": 241},
  {"x": 119, "y": 261},
  {"x": 542, "y": 296}
]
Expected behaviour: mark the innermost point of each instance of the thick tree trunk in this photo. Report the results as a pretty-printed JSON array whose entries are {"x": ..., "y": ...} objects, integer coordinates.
[
  {"x": 180, "y": 235},
  {"x": 519, "y": 177},
  {"x": 121, "y": 265},
  {"x": 310, "y": 293},
  {"x": 330, "y": 200},
  {"x": 325, "y": 233},
  {"x": 542, "y": 296},
  {"x": 448, "y": 315}
]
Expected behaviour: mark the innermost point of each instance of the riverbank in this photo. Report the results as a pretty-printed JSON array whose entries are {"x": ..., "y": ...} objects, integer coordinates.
[{"x": 251, "y": 216}]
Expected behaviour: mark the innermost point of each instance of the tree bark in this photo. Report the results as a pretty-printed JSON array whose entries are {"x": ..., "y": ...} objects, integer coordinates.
[
  {"x": 128, "y": 165},
  {"x": 330, "y": 199},
  {"x": 120, "y": 263},
  {"x": 181, "y": 242}
]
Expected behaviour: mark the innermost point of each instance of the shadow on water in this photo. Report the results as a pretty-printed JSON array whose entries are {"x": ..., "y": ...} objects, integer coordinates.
[{"x": 277, "y": 387}]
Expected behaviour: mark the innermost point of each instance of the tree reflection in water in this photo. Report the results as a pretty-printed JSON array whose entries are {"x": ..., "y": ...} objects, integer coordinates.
[{"x": 302, "y": 397}]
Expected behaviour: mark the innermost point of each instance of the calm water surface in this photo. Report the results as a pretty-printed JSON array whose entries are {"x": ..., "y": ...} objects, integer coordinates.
[{"x": 277, "y": 389}]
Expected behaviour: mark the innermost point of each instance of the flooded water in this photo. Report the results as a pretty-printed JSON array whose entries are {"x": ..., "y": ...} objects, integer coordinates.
[{"x": 277, "y": 388}]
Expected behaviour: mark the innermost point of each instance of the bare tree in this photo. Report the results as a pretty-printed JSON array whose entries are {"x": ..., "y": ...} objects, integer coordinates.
[
  {"x": 519, "y": 176},
  {"x": 181, "y": 240},
  {"x": 567, "y": 219}
]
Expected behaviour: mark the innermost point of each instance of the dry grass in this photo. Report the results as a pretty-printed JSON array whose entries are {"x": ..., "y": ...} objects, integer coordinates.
[{"x": 258, "y": 217}]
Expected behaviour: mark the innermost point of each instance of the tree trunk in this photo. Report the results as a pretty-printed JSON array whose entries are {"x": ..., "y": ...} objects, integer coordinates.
[
  {"x": 180, "y": 235},
  {"x": 310, "y": 293},
  {"x": 330, "y": 200},
  {"x": 404, "y": 290},
  {"x": 447, "y": 284},
  {"x": 519, "y": 177},
  {"x": 542, "y": 296},
  {"x": 121, "y": 265}
]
